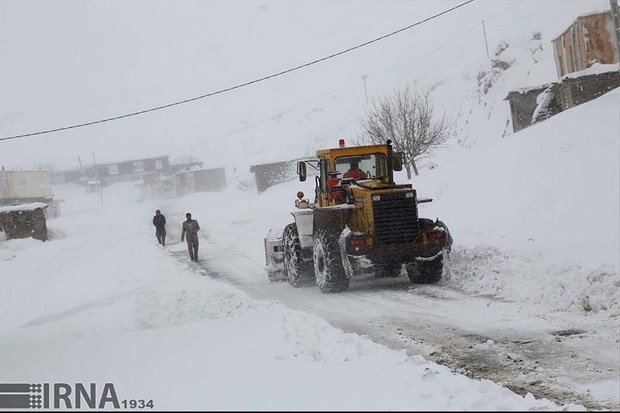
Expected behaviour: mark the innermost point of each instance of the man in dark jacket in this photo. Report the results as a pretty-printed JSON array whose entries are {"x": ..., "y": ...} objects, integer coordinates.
[
  {"x": 190, "y": 231},
  {"x": 160, "y": 227}
]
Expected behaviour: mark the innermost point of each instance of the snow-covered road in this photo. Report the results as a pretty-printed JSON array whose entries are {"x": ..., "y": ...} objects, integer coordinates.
[
  {"x": 555, "y": 356},
  {"x": 499, "y": 325}
]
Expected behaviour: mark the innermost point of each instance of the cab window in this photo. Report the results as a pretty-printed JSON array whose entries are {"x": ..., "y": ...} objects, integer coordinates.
[{"x": 361, "y": 166}]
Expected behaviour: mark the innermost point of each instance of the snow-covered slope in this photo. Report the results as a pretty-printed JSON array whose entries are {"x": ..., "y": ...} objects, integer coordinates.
[{"x": 553, "y": 186}]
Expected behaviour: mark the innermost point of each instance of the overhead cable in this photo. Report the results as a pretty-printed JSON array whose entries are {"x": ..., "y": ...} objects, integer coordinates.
[{"x": 228, "y": 89}]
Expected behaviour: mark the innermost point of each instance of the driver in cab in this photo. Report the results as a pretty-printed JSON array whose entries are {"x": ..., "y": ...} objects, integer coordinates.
[{"x": 354, "y": 172}]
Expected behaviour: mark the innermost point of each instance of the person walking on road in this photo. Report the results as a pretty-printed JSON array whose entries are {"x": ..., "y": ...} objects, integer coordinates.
[
  {"x": 190, "y": 231},
  {"x": 159, "y": 221}
]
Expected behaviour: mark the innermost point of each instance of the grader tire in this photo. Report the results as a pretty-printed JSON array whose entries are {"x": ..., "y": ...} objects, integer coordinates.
[
  {"x": 330, "y": 274},
  {"x": 298, "y": 272}
]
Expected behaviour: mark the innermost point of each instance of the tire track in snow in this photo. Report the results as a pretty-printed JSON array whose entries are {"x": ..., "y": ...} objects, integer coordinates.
[{"x": 525, "y": 357}]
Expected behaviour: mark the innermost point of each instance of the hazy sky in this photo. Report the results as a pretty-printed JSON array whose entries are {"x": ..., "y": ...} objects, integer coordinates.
[{"x": 74, "y": 61}]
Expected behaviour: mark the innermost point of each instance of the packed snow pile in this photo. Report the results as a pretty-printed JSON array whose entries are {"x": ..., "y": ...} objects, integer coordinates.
[
  {"x": 531, "y": 279},
  {"x": 535, "y": 216}
]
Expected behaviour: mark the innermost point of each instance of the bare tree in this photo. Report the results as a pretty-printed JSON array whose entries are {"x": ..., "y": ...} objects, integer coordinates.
[{"x": 409, "y": 119}]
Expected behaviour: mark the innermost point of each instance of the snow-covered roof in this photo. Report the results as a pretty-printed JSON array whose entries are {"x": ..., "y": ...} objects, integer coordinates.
[
  {"x": 196, "y": 168},
  {"x": 24, "y": 170},
  {"x": 595, "y": 69},
  {"x": 528, "y": 89},
  {"x": 115, "y": 161},
  {"x": 23, "y": 207}
]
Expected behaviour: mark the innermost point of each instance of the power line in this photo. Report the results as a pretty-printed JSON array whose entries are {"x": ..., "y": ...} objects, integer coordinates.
[
  {"x": 363, "y": 78},
  {"x": 260, "y": 122},
  {"x": 313, "y": 62},
  {"x": 459, "y": 37},
  {"x": 415, "y": 60}
]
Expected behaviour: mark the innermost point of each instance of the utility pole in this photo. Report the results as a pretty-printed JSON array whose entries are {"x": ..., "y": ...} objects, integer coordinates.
[
  {"x": 98, "y": 180},
  {"x": 82, "y": 176},
  {"x": 365, "y": 90},
  {"x": 486, "y": 43},
  {"x": 615, "y": 17}
]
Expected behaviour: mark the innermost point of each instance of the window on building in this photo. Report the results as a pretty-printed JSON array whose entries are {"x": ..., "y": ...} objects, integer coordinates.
[
  {"x": 22, "y": 181},
  {"x": 4, "y": 183},
  {"x": 113, "y": 169},
  {"x": 138, "y": 166},
  {"x": 159, "y": 164},
  {"x": 41, "y": 181}
]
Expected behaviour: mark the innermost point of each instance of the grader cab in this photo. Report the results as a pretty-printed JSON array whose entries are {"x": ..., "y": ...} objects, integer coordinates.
[{"x": 360, "y": 221}]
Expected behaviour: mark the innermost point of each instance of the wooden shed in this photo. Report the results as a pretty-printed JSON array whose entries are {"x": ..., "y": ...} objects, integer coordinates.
[
  {"x": 23, "y": 221},
  {"x": 588, "y": 40},
  {"x": 523, "y": 103}
]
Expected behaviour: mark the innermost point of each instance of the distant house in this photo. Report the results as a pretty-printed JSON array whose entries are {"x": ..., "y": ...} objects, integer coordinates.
[
  {"x": 581, "y": 87},
  {"x": 186, "y": 181},
  {"x": 200, "y": 180},
  {"x": 586, "y": 59},
  {"x": 25, "y": 186},
  {"x": 130, "y": 170},
  {"x": 523, "y": 103},
  {"x": 269, "y": 174},
  {"x": 23, "y": 221},
  {"x": 589, "y": 39},
  {"x": 535, "y": 104},
  {"x": 68, "y": 176},
  {"x": 186, "y": 166},
  {"x": 112, "y": 172},
  {"x": 158, "y": 186}
]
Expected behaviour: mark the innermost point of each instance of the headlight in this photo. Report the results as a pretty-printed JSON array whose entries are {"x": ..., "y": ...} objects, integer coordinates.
[
  {"x": 376, "y": 197},
  {"x": 409, "y": 194}
]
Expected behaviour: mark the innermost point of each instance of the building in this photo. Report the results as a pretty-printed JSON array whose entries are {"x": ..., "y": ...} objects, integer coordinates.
[
  {"x": 158, "y": 187},
  {"x": 69, "y": 176},
  {"x": 183, "y": 183},
  {"x": 589, "y": 39},
  {"x": 23, "y": 221},
  {"x": 186, "y": 166},
  {"x": 539, "y": 103},
  {"x": 269, "y": 174},
  {"x": 25, "y": 186},
  {"x": 523, "y": 103},
  {"x": 200, "y": 180},
  {"x": 112, "y": 172},
  {"x": 133, "y": 170},
  {"x": 586, "y": 59}
]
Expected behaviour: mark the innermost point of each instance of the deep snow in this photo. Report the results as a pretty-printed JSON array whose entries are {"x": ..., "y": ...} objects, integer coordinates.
[{"x": 102, "y": 302}]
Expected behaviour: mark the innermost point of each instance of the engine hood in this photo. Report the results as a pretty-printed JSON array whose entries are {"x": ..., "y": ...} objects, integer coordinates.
[{"x": 376, "y": 184}]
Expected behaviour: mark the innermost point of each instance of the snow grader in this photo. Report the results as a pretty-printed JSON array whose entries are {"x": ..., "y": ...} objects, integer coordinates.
[{"x": 360, "y": 222}]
